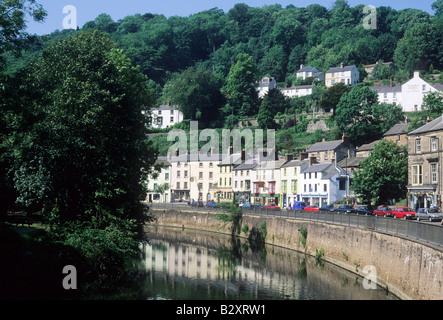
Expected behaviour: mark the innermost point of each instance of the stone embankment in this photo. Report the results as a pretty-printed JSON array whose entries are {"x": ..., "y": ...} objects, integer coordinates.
[{"x": 408, "y": 269}]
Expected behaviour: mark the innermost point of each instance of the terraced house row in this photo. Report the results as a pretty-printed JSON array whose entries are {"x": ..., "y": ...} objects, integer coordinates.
[{"x": 262, "y": 177}]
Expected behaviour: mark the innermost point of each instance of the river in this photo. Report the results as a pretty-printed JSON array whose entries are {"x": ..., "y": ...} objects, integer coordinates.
[{"x": 197, "y": 265}]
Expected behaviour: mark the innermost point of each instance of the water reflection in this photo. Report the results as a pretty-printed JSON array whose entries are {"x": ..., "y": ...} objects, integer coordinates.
[{"x": 185, "y": 264}]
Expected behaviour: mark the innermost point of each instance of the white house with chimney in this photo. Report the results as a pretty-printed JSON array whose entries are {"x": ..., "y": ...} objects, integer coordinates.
[
  {"x": 409, "y": 95},
  {"x": 165, "y": 116}
]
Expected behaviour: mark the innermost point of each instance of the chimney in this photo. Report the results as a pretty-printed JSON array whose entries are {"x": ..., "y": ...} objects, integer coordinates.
[
  {"x": 169, "y": 155},
  {"x": 416, "y": 74},
  {"x": 231, "y": 150},
  {"x": 303, "y": 156},
  {"x": 391, "y": 82},
  {"x": 243, "y": 155},
  {"x": 302, "y": 66},
  {"x": 275, "y": 153},
  {"x": 345, "y": 139},
  {"x": 312, "y": 160},
  {"x": 342, "y": 65},
  {"x": 176, "y": 153},
  {"x": 289, "y": 157}
]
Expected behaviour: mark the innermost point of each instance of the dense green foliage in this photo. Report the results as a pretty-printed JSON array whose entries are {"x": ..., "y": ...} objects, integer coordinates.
[{"x": 384, "y": 174}]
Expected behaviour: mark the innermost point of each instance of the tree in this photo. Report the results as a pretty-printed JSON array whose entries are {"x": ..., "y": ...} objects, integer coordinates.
[
  {"x": 12, "y": 40},
  {"x": 267, "y": 113},
  {"x": 332, "y": 95},
  {"x": 197, "y": 93},
  {"x": 80, "y": 145},
  {"x": 433, "y": 104},
  {"x": 384, "y": 175},
  {"x": 362, "y": 118},
  {"x": 240, "y": 87},
  {"x": 13, "y": 23}
]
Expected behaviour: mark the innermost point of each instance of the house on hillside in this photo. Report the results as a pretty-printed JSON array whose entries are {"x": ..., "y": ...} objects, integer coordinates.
[
  {"x": 306, "y": 72},
  {"x": 165, "y": 116},
  {"x": 348, "y": 75},
  {"x": 265, "y": 85},
  {"x": 409, "y": 95},
  {"x": 398, "y": 134},
  {"x": 297, "y": 91}
]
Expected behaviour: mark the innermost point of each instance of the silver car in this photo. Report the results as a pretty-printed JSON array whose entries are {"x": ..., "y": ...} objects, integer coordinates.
[{"x": 430, "y": 214}]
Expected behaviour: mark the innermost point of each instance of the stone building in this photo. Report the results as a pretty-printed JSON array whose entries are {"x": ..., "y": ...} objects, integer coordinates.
[{"x": 425, "y": 165}]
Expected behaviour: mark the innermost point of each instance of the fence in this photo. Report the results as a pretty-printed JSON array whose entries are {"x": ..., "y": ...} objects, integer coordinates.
[{"x": 422, "y": 231}]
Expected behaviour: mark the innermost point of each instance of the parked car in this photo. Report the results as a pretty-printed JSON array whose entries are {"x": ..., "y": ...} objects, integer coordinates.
[
  {"x": 364, "y": 210},
  {"x": 403, "y": 213},
  {"x": 329, "y": 208},
  {"x": 298, "y": 205},
  {"x": 212, "y": 204},
  {"x": 383, "y": 211},
  {"x": 197, "y": 204},
  {"x": 430, "y": 214},
  {"x": 345, "y": 208},
  {"x": 311, "y": 208},
  {"x": 272, "y": 206}
]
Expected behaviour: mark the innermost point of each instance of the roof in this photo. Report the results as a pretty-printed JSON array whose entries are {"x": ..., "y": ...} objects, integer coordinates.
[
  {"x": 329, "y": 175},
  {"x": 439, "y": 87},
  {"x": 230, "y": 159},
  {"x": 351, "y": 162},
  {"x": 246, "y": 165},
  {"x": 320, "y": 167},
  {"x": 166, "y": 107},
  {"x": 368, "y": 146},
  {"x": 400, "y": 128},
  {"x": 386, "y": 89},
  {"x": 324, "y": 146},
  {"x": 340, "y": 69},
  {"x": 163, "y": 160},
  {"x": 271, "y": 164},
  {"x": 305, "y": 69},
  {"x": 434, "y": 125}
]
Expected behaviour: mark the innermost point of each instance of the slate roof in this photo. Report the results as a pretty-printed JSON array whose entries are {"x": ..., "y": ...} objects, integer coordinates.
[
  {"x": 340, "y": 69},
  {"x": 324, "y": 146},
  {"x": 434, "y": 125},
  {"x": 400, "y": 128},
  {"x": 368, "y": 146},
  {"x": 386, "y": 89},
  {"x": 320, "y": 167}
]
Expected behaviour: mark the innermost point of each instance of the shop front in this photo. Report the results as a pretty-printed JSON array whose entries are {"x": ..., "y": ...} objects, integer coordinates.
[{"x": 424, "y": 196}]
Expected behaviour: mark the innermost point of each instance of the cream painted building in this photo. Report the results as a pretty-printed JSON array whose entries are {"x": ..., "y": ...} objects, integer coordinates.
[
  {"x": 348, "y": 75},
  {"x": 290, "y": 178},
  {"x": 226, "y": 167},
  {"x": 203, "y": 176}
]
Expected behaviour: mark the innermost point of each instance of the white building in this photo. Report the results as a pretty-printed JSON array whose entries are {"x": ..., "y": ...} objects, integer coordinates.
[
  {"x": 297, "y": 91},
  {"x": 165, "y": 116},
  {"x": 348, "y": 75},
  {"x": 409, "y": 95},
  {"x": 306, "y": 72},
  {"x": 159, "y": 183},
  {"x": 325, "y": 183},
  {"x": 265, "y": 85}
]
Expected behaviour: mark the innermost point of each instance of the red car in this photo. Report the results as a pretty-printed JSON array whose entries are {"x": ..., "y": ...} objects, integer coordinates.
[
  {"x": 403, "y": 213},
  {"x": 272, "y": 206},
  {"x": 383, "y": 212},
  {"x": 312, "y": 208}
]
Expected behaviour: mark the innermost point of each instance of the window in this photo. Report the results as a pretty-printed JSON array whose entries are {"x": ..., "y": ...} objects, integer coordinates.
[
  {"x": 172, "y": 119},
  {"x": 241, "y": 185},
  {"x": 256, "y": 187},
  {"x": 294, "y": 186},
  {"x": 424, "y": 87},
  {"x": 178, "y": 185},
  {"x": 200, "y": 175},
  {"x": 178, "y": 174},
  {"x": 342, "y": 185},
  {"x": 210, "y": 175},
  {"x": 433, "y": 144},
  {"x": 271, "y": 187},
  {"x": 417, "y": 145},
  {"x": 185, "y": 185},
  {"x": 200, "y": 164},
  {"x": 417, "y": 174},
  {"x": 166, "y": 176},
  {"x": 315, "y": 187},
  {"x": 284, "y": 186},
  {"x": 304, "y": 188},
  {"x": 433, "y": 173},
  {"x": 186, "y": 173},
  {"x": 210, "y": 186},
  {"x": 325, "y": 188},
  {"x": 221, "y": 180},
  {"x": 200, "y": 186},
  {"x": 235, "y": 184}
]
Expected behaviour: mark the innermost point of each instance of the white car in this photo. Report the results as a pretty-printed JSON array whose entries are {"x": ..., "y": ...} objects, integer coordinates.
[{"x": 429, "y": 214}]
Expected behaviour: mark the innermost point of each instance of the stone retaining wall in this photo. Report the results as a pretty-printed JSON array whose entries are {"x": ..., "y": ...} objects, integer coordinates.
[{"x": 408, "y": 269}]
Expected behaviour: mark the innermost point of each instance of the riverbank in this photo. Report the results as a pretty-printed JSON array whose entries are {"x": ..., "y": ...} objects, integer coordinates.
[{"x": 408, "y": 269}]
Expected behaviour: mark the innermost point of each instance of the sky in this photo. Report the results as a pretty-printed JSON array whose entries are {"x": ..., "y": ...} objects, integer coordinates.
[{"x": 88, "y": 10}]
